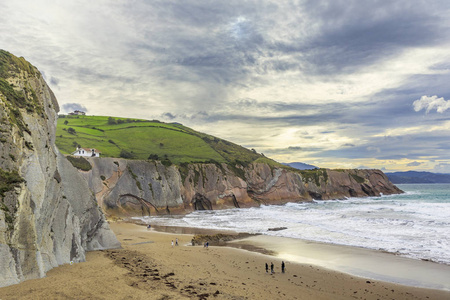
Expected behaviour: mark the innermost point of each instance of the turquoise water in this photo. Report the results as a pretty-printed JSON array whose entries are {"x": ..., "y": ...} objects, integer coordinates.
[
  {"x": 431, "y": 193},
  {"x": 415, "y": 224}
]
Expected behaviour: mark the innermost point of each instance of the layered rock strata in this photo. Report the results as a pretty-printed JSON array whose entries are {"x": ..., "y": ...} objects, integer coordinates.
[
  {"x": 48, "y": 215},
  {"x": 139, "y": 188}
]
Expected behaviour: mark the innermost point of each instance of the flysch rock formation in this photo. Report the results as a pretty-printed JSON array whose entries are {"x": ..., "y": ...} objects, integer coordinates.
[
  {"x": 48, "y": 214},
  {"x": 141, "y": 188}
]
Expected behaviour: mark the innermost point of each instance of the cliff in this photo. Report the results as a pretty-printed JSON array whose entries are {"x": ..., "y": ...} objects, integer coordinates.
[
  {"x": 139, "y": 188},
  {"x": 48, "y": 215}
]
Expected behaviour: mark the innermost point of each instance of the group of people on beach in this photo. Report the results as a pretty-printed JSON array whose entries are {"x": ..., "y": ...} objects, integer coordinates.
[
  {"x": 206, "y": 245},
  {"x": 283, "y": 268}
]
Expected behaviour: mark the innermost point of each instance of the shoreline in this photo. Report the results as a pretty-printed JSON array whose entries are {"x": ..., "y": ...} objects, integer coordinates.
[
  {"x": 357, "y": 261},
  {"x": 148, "y": 267}
]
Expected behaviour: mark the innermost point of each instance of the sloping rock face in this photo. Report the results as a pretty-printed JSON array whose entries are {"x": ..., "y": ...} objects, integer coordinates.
[
  {"x": 48, "y": 215},
  {"x": 141, "y": 188}
]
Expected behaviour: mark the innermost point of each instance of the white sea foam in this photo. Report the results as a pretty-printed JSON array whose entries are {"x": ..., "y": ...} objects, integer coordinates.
[{"x": 415, "y": 224}]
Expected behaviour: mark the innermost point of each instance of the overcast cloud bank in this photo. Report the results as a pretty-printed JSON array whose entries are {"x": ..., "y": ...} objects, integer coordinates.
[{"x": 328, "y": 83}]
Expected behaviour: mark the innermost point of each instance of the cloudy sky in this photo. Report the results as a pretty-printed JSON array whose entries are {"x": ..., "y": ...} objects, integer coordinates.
[{"x": 333, "y": 83}]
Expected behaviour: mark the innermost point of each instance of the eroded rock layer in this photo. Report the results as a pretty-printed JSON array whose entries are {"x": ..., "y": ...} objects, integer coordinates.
[
  {"x": 140, "y": 188},
  {"x": 48, "y": 215}
]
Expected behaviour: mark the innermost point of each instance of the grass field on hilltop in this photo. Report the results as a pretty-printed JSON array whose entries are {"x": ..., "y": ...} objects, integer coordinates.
[{"x": 144, "y": 139}]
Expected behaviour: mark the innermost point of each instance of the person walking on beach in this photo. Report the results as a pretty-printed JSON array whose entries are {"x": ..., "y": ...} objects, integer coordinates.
[
  {"x": 176, "y": 242},
  {"x": 282, "y": 267},
  {"x": 172, "y": 243},
  {"x": 271, "y": 268},
  {"x": 267, "y": 268}
]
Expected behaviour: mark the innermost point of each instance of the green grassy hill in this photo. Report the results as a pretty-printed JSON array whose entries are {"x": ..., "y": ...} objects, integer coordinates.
[{"x": 143, "y": 139}]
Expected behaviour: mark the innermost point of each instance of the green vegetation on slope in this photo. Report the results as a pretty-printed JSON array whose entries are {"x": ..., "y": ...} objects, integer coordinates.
[
  {"x": 143, "y": 139},
  {"x": 80, "y": 163},
  {"x": 313, "y": 175},
  {"x": 16, "y": 97},
  {"x": 9, "y": 62}
]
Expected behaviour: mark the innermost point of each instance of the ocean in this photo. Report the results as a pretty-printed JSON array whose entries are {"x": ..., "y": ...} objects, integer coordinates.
[{"x": 415, "y": 224}]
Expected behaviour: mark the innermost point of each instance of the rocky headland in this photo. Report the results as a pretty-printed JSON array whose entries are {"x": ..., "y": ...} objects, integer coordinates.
[
  {"x": 48, "y": 214},
  {"x": 140, "y": 188}
]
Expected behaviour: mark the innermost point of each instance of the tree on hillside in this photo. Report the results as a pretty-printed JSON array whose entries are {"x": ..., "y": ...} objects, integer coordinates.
[
  {"x": 153, "y": 157},
  {"x": 76, "y": 145},
  {"x": 111, "y": 121},
  {"x": 66, "y": 122},
  {"x": 71, "y": 131},
  {"x": 126, "y": 154}
]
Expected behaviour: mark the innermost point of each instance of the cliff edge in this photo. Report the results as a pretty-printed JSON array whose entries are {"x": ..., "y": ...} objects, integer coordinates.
[
  {"x": 48, "y": 215},
  {"x": 140, "y": 188}
]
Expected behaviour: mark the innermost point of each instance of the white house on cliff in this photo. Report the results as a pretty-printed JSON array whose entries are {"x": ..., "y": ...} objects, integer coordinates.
[{"x": 86, "y": 152}]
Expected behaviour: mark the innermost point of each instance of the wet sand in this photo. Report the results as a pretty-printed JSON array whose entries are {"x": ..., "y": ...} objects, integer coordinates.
[
  {"x": 360, "y": 262},
  {"x": 148, "y": 267}
]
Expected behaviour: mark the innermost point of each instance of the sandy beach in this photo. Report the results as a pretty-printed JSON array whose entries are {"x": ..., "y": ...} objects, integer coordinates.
[{"x": 148, "y": 267}]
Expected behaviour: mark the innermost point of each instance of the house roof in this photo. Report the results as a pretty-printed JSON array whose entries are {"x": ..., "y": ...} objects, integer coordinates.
[{"x": 89, "y": 150}]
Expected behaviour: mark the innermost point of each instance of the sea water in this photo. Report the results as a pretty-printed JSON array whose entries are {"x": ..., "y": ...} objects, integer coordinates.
[{"x": 415, "y": 224}]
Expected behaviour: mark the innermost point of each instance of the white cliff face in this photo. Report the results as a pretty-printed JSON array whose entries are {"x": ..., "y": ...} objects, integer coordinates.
[{"x": 51, "y": 217}]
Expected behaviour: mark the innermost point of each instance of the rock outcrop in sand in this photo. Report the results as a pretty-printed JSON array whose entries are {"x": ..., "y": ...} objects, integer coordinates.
[
  {"x": 139, "y": 188},
  {"x": 48, "y": 215}
]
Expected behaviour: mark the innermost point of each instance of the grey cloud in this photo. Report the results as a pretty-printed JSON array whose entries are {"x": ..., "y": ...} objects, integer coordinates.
[
  {"x": 294, "y": 148},
  {"x": 372, "y": 148},
  {"x": 69, "y": 107},
  {"x": 92, "y": 75},
  {"x": 54, "y": 81},
  {"x": 168, "y": 115},
  {"x": 442, "y": 168},
  {"x": 291, "y": 150},
  {"x": 414, "y": 164},
  {"x": 219, "y": 48},
  {"x": 353, "y": 35},
  {"x": 390, "y": 108},
  {"x": 413, "y": 146},
  {"x": 200, "y": 114}
]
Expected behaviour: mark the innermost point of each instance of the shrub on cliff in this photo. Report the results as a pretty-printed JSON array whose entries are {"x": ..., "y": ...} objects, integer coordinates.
[
  {"x": 8, "y": 181},
  {"x": 80, "y": 163}
]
